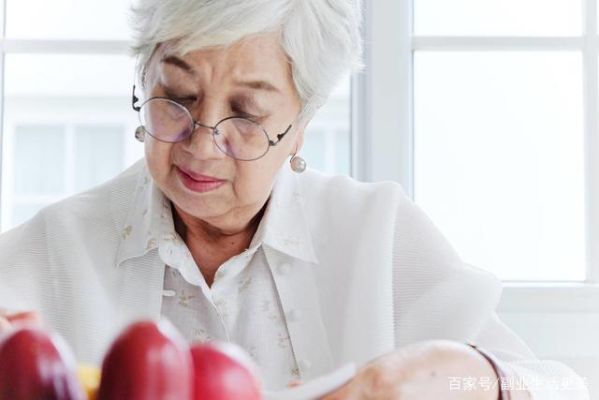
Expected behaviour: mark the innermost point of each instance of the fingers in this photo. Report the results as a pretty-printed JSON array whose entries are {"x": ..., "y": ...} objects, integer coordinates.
[
  {"x": 344, "y": 393},
  {"x": 4, "y": 324},
  {"x": 25, "y": 317},
  {"x": 8, "y": 320}
]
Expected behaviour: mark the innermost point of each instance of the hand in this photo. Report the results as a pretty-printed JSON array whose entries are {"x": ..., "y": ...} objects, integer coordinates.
[
  {"x": 420, "y": 371},
  {"x": 9, "y": 319}
]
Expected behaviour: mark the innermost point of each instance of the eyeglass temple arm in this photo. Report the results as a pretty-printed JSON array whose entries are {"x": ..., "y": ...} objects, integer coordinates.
[
  {"x": 134, "y": 100},
  {"x": 279, "y": 137}
]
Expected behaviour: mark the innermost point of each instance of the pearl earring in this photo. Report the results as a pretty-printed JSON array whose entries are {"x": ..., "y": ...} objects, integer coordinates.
[
  {"x": 298, "y": 164},
  {"x": 140, "y": 133}
]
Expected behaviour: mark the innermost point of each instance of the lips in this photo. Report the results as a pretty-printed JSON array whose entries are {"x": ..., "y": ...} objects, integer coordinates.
[
  {"x": 198, "y": 177},
  {"x": 198, "y": 183}
]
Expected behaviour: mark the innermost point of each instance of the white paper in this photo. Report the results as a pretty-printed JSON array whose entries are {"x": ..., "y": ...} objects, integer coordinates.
[{"x": 316, "y": 388}]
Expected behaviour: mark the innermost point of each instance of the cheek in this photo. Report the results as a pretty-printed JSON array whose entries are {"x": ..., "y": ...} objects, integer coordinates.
[
  {"x": 254, "y": 179},
  {"x": 158, "y": 156}
]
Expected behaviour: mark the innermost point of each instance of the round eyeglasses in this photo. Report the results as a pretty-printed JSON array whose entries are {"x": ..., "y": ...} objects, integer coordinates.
[{"x": 238, "y": 137}]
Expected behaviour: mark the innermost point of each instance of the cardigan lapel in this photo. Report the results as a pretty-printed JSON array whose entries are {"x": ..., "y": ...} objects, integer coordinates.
[
  {"x": 141, "y": 287},
  {"x": 294, "y": 280},
  {"x": 290, "y": 255}
]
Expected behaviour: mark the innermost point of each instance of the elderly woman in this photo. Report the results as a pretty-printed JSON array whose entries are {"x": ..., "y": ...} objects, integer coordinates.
[{"x": 222, "y": 229}]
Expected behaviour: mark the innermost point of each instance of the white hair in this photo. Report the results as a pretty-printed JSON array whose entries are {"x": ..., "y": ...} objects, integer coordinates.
[{"x": 320, "y": 37}]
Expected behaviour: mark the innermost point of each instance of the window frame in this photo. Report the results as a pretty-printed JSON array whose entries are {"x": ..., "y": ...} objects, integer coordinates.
[
  {"x": 383, "y": 102},
  {"x": 42, "y": 46}
]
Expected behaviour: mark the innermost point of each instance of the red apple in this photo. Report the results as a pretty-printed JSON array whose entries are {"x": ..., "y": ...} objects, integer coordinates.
[
  {"x": 147, "y": 361},
  {"x": 223, "y": 371},
  {"x": 37, "y": 365}
]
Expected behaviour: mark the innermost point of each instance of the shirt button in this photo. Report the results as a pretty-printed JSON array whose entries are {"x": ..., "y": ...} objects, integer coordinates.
[{"x": 169, "y": 293}]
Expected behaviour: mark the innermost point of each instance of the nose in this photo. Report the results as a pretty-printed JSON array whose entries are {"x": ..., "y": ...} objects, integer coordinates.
[{"x": 201, "y": 143}]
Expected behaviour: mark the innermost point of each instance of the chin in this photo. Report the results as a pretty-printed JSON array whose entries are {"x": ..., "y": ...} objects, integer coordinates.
[{"x": 201, "y": 205}]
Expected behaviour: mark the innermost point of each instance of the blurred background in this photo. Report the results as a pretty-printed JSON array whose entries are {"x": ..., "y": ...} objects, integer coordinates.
[{"x": 486, "y": 111}]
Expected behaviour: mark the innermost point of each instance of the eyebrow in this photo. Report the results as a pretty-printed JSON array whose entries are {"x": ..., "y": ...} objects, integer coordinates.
[
  {"x": 258, "y": 85},
  {"x": 255, "y": 84},
  {"x": 176, "y": 61}
]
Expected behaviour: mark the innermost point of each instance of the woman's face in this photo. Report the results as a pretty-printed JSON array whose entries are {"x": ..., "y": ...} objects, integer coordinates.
[{"x": 250, "y": 79}]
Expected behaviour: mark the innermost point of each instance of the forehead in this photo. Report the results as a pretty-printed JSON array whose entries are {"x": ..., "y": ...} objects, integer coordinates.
[{"x": 254, "y": 58}]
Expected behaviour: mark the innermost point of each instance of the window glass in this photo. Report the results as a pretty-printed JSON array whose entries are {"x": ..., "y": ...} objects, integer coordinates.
[
  {"x": 499, "y": 158},
  {"x": 37, "y": 150},
  {"x": 67, "y": 19},
  {"x": 327, "y": 145},
  {"x": 68, "y": 125},
  {"x": 498, "y": 17},
  {"x": 99, "y": 154}
]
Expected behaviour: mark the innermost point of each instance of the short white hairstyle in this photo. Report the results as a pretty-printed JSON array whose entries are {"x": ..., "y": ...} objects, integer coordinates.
[{"x": 320, "y": 37}]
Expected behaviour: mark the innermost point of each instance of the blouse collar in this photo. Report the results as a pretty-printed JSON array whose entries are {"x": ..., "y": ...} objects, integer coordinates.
[{"x": 283, "y": 227}]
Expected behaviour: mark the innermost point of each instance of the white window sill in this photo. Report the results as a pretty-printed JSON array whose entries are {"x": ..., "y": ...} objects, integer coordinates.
[{"x": 553, "y": 297}]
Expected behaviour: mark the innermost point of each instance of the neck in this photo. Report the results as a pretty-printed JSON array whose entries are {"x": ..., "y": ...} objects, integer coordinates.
[{"x": 235, "y": 235}]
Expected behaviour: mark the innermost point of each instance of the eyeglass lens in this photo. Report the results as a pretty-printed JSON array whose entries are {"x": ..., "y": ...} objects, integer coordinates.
[{"x": 168, "y": 121}]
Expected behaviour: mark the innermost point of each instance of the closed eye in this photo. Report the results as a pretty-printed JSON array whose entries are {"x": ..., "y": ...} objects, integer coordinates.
[
  {"x": 183, "y": 100},
  {"x": 242, "y": 114},
  {"x": 238, "y": 108}
]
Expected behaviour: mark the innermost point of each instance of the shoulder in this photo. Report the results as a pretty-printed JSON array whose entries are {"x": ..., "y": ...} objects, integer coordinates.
[
  {"x": 104, "y": 204},
  {"x": 344, "y": 192},
  {"x": 91, "y": 215},
  {"x": 342, "y": 212}
]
